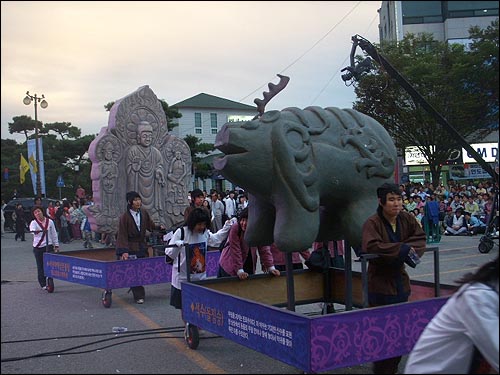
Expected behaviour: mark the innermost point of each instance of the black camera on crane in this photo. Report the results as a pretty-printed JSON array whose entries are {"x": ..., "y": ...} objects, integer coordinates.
[{"x": 357, "y": 71}]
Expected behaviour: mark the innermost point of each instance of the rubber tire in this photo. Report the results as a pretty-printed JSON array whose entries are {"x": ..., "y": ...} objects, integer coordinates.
[
  {"x": 107, "y": 298},
  {"x": 485, "y": 245},
  {"x": 50, "y": 285},
  {"x": 192, "y": 336}
]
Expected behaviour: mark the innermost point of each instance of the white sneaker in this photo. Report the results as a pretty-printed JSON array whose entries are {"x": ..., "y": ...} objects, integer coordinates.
[
  {"x": 44, "y": 287},
  {"x": 140, "y": 301}
]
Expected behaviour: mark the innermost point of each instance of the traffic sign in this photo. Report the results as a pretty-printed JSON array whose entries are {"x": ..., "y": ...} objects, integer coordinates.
[{"x": 60, "y": 181}]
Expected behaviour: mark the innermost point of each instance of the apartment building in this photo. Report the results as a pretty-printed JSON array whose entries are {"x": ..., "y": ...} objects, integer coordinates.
[{"x": 447, "y": 20}]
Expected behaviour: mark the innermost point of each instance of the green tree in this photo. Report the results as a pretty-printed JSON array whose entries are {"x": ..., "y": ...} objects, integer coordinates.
[
  {"x": 200, "y": 169},
  {"x": 10, "y": 159},
  {"x": 171, "y": 113},
  {"x": 63, "y": 129},
  {"x": 66, "y": 157},
  {"x": 484, "y": 54},
  {"x": 441, "y": 73},
  {"x": 23, "y": 124}
]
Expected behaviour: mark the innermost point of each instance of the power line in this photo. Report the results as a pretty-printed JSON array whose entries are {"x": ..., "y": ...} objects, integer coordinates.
[
  {"x": 206, "y": 121},
  {"x": 307, "y": 51},
  {"x": 341, "y": 67}
]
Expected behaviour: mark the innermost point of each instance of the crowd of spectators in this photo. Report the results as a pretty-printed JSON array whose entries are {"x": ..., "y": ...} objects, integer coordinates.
[{"x": 461, "y": 208}]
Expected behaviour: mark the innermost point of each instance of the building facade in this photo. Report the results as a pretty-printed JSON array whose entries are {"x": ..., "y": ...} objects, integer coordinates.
[
  {"x": 448, "y": 21},
  {"x": 203, "y": 115}
]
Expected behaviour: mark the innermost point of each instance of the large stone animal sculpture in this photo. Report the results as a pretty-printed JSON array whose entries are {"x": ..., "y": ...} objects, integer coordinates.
[{"x": 311, "y": 174}]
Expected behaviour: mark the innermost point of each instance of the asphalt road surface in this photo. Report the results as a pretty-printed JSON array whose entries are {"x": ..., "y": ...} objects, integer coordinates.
[{"x": 70, "y": 332}]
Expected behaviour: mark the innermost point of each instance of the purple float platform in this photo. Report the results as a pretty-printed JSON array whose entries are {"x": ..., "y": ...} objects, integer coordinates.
[
  {"x": 247, "y": 312},
  {"x": 99, "y": 268}
]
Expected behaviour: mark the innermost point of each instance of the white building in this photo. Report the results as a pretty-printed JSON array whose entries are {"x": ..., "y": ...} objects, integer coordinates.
[{"x": 203, "y": 115}]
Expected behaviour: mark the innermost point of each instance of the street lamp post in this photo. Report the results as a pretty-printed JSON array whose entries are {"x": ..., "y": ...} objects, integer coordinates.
[{"x": 43, "y": 103}]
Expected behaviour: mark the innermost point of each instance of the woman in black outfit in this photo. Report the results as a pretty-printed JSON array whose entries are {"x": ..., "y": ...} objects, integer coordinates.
[{"x": 20, "y": 222}]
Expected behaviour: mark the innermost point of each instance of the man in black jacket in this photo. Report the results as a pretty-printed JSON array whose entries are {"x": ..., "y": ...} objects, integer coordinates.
[{"x": 131, "y": 236}]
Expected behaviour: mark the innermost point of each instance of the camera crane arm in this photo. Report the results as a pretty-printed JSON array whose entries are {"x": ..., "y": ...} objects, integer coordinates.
[{"x": 355, "y": 71}]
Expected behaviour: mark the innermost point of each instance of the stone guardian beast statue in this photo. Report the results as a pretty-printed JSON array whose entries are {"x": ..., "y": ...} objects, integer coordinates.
[{"x": 311, "y": 173}]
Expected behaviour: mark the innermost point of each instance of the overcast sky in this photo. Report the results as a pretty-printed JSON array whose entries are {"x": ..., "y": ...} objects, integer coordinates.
[{"x": 82, "y": 55}]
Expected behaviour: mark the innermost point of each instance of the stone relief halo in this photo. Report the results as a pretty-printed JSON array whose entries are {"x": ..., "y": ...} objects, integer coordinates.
[
  {"x": 143, "y": 114},
  {"x": 176, "y": 144},
  {"x": 114, "y": 141}
]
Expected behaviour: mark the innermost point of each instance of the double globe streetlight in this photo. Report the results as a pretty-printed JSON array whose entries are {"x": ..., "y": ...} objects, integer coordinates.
[{"x": 43, "y": 103}]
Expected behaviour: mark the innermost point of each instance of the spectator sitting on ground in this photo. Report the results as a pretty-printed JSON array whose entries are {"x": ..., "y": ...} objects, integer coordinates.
[
  {"x": 458, "y": 225},
  {"x": 472, "y": 206},
  {"x": 474, "y": 225}
]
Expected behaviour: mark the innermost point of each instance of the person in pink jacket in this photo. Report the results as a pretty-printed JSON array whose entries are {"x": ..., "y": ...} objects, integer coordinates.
[{"x": 239, "y": 259}]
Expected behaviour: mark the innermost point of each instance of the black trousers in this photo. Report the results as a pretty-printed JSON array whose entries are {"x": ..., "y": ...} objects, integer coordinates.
[
  {"x": 20, "y": 231},
  {"x": 386, "y": 366},
  {"x": 138, "y": 291},
  {"x": 38, "y": 251}
]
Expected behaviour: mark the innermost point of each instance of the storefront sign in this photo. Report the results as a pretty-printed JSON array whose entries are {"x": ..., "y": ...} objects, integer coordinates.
[
  {"x": 475, "y": 171},
  {"x": 488, "y": 151},
  {"x": 468, "y": 171},
  {"x": 413, "y": 156}
]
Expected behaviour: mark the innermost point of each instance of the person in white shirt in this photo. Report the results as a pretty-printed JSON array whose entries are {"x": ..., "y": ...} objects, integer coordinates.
[
  {"x": 464, "y": 330},
  {"x": 217, "y": 211},
  {"x": 230, "y": 204},
  {"x": 193, "y": 237},
  {"x": 44, "y": 239}
]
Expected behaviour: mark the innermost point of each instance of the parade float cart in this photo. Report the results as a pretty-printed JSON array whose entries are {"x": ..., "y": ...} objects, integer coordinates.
[
  {"x": 100, "y": 268},
  {"x": 257, "y": 313}
]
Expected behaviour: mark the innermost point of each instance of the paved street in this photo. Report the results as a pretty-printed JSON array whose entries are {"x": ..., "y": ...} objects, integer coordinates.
[{"x": 74, "y": 310}]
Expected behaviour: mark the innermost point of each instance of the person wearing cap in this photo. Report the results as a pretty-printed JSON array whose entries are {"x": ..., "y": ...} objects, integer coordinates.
[{"x": 131, "y": 236}]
